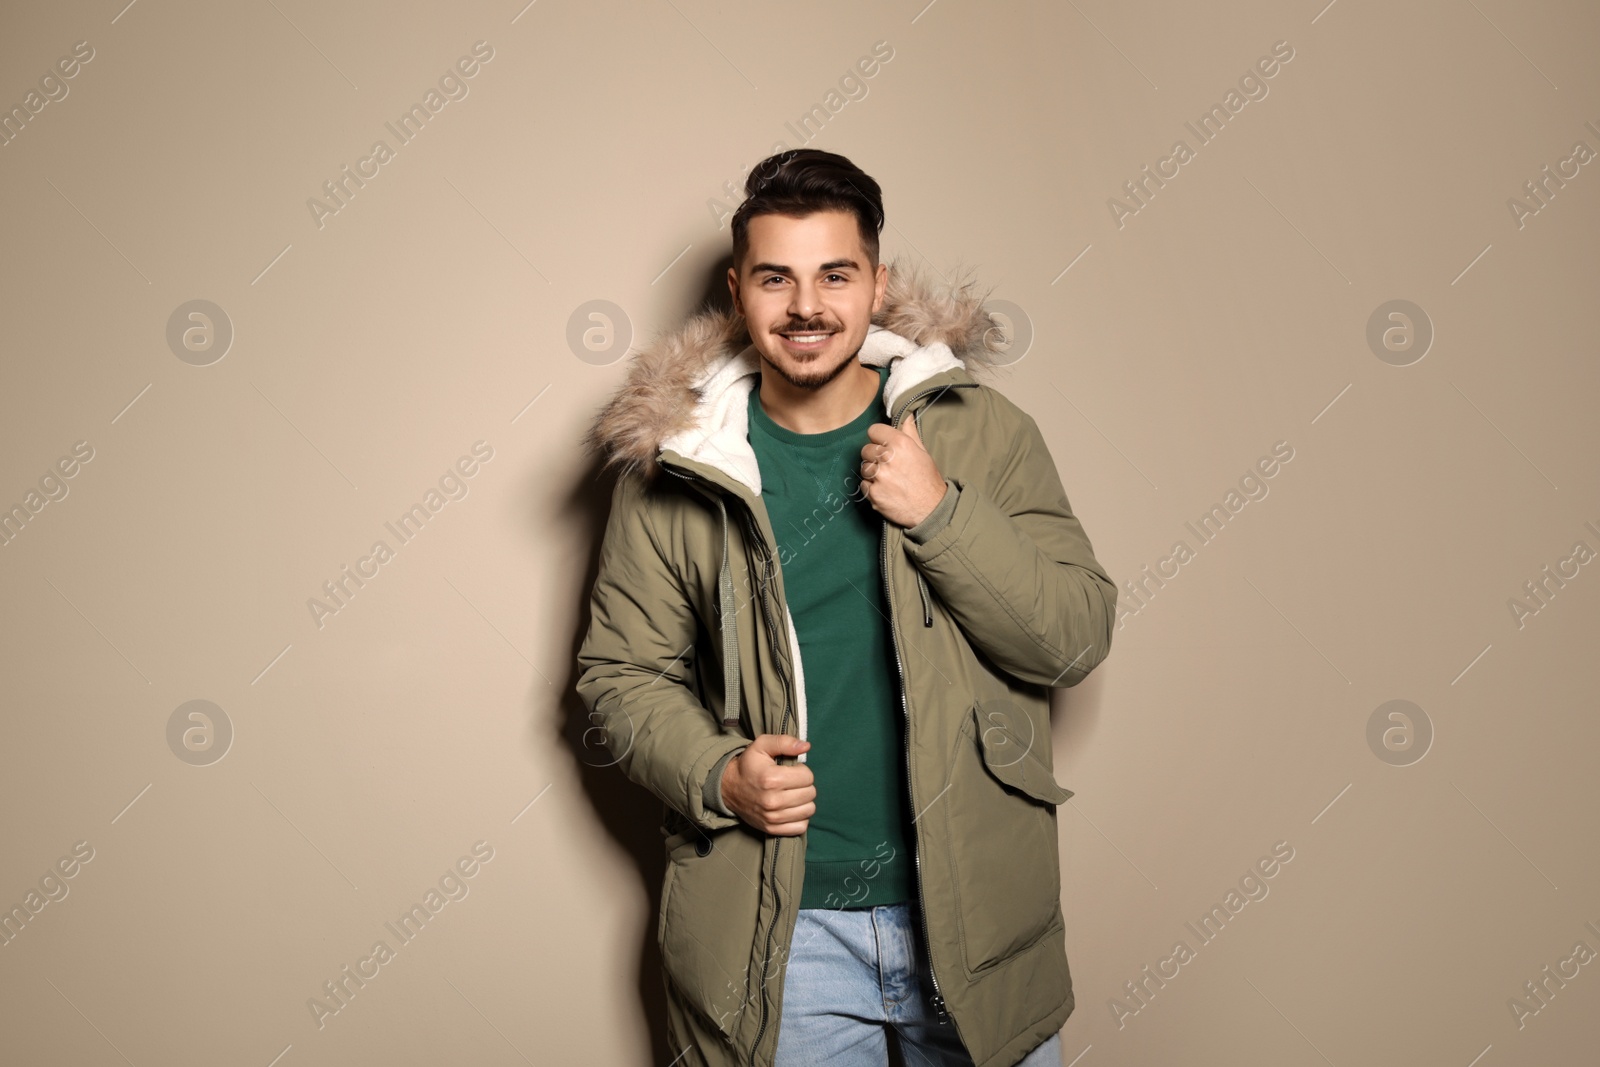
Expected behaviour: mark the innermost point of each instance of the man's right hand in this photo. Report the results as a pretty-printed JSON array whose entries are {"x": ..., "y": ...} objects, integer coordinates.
[{"x": 772, "y": 797}]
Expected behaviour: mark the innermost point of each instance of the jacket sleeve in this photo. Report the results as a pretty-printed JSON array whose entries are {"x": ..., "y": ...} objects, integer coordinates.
[
  {"x": 1018, "y": 574},
  {"x": 938, "y": 518},
  {"x": 636, "y": 666}
]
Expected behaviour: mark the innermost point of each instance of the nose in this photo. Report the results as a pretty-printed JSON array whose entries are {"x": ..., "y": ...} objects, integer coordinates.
[{"x": 806, "y": 303}]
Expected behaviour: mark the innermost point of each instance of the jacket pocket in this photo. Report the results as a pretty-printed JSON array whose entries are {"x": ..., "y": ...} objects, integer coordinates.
[
  {"x": 707, "y": 927},
  {"x": 672, "y": 843},
  {"x": 1000, "y": 818},
  {"x": 1014, "y": 759}
]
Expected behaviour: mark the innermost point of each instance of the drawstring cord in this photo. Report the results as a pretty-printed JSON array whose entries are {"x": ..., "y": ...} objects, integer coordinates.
[{"x": 728, "y": 615}]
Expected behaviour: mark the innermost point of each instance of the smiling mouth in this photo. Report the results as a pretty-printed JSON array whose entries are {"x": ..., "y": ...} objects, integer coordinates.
[{"x": 806, "y": 341}]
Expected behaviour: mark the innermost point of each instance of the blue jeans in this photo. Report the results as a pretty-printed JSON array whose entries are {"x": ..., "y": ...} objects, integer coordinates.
[{"x": 855, "y": 974}]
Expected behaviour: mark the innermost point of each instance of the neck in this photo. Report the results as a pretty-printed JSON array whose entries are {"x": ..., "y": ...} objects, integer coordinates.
[{"x": 825, "y": 408}]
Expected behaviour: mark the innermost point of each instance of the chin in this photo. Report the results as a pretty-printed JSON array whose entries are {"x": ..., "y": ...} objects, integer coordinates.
[{"x": 806, "y": 372}]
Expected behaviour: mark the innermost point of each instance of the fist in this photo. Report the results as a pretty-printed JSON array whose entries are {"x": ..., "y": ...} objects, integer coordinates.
[
  {"x": 774, "y": 798},
  {"x": 898, "y": 477}
]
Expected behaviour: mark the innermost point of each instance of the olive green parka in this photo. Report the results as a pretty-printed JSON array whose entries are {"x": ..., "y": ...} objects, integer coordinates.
[{"x": 691, "y": 652}]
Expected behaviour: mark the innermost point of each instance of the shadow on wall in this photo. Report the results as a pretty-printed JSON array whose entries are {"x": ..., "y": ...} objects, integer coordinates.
[{"x": 630, "y": 814}]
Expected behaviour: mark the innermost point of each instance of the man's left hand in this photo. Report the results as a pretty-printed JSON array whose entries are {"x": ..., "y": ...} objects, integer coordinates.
[{"x": 898, "y": 477}]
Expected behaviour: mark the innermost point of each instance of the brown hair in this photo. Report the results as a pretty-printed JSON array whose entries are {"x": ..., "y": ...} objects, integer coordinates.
[{"x": 803, "y": 181}]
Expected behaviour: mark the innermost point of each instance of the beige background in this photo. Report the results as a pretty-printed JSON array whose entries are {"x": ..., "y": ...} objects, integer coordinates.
[{"x": 436, "y": 710}]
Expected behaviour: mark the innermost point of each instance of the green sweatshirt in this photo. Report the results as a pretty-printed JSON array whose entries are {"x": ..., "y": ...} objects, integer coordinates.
[
  {"x": 860, "y": 840},
  {"x": 858, "y": 849}
]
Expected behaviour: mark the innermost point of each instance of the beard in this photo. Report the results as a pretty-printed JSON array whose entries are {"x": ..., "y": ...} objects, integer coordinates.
[{"x": 806, "y": 374}]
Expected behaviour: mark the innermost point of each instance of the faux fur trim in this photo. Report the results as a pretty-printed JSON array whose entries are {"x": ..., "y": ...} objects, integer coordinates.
[{"x": 674, "y": 380}]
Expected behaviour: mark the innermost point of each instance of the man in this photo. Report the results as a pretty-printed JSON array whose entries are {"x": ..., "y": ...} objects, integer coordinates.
[{"x": 839, "y": 579}]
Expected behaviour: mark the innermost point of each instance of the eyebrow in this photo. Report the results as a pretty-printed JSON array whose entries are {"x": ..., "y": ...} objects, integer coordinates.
[{"x": 778, "y": 268}]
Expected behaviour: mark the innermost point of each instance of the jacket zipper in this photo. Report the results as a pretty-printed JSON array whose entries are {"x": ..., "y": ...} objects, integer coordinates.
[
  {"x": 705, "y": 486},
  {"x": 905, "y": 711},
  {"x": 916, "y": 851},
  {"x": 777, "y": 899}
]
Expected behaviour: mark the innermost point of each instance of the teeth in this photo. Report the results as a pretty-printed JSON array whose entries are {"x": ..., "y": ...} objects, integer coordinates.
[{"x": 805, "y": 338}]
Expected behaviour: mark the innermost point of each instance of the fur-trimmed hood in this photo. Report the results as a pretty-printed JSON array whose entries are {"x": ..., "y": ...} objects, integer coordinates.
[{"x": 688, "y": 389}]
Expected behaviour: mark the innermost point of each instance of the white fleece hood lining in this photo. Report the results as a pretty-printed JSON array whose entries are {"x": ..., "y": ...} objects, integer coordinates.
[{"x": 719, "y": 436}]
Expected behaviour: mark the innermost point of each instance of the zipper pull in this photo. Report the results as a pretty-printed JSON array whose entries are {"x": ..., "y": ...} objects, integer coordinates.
[{"x": 938, "y": 1004}]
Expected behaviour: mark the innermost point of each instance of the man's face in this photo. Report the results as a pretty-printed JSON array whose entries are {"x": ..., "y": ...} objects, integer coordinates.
[{"x": 807, "y": 293}]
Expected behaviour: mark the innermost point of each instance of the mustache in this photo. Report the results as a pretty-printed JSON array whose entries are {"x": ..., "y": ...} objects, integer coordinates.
[{"x": 807, "y": 327}]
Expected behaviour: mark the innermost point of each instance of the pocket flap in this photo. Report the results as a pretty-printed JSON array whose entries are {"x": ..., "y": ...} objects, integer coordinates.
[
  {"x": 681, "y": 837},
  {"x": 1011, "y": 759}
]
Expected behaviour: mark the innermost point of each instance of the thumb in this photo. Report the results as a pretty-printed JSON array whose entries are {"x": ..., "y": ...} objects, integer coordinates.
[
  {"x": 911, "y": 431},
  {"x": 779, "y": 745}
]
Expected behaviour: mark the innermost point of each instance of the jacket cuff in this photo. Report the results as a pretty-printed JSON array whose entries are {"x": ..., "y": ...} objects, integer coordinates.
[
  {"x": 939, "y": 518},
  {"x": 712, "y": 793},
  {"x": 699, "y": 782},
  {"x": 950, "y": 532}
]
